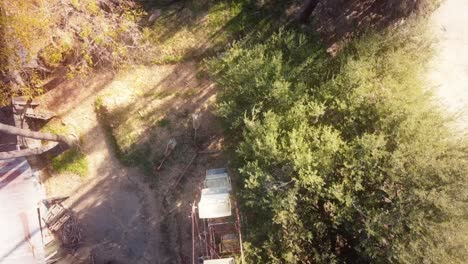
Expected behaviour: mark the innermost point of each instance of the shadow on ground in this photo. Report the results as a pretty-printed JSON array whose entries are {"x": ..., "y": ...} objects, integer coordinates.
[{"x": 121, "y": 208}]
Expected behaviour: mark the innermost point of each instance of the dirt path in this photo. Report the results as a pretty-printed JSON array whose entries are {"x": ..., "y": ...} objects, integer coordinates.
[
  {"x": 130, "y": 217},
  {"x": 449, "y": 68},
  {"x": 117, "y": 209}
]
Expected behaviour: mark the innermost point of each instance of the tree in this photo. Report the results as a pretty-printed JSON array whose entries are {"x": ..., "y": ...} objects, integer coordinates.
[
  {"x": 63, "y": 140},
  {"x": 345, "y": 160},
  {"x": 35, "y": 48}
]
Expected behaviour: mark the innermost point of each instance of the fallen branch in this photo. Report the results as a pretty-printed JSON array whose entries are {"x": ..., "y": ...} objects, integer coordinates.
[
  {"x": 11, "y": 130},
  {"x": 169, "y": 148},
  {"x": 183, "y": 172},
  {"x": 26, "y": 152}
]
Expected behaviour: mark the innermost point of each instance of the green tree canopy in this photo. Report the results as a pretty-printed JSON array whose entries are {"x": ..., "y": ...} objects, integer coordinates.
[{"x": 343, "y": 160}]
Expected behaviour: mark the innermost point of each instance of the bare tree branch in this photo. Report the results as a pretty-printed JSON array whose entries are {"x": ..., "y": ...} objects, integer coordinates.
[
  {"x": 36, "y": 135},
  {"x": 27, "y": 152}
]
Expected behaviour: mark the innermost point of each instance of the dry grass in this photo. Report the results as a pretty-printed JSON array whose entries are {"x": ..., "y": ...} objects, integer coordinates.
[
  {"x": 189, "y": 32},
  {"x": 145, "y": 106}
]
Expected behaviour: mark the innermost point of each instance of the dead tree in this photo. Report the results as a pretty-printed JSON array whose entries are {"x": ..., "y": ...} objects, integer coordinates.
[{"x": 62, "y": 140}]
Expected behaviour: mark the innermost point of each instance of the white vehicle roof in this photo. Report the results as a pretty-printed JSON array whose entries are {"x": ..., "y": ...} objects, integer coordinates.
[
  {"x": 214, "y": 203},
  {"x": 211, "y": 191},
  {"x": 217, "y": 178},
  {"x": 219, "y": 261},
  {"x": 216, "y": 171}
]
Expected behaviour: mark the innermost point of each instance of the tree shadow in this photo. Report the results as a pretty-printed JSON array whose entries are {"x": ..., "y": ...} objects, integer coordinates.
[
  {"x": 191, "y": 17},
  {"x": 74, "y": 92},
  {"x": 340, "y": 21},
  {"x": 105, "y": 204},
  {"x": 162, "y": 112}
]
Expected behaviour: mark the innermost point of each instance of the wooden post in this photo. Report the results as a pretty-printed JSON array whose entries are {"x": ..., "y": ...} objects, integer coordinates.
[
  {"x": 196, "y": 125},
  {"x": 193, "y": 233}
]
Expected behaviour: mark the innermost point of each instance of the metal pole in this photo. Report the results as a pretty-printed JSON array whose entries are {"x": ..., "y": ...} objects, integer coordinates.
[
  {"x": 240, "y": 233},
  {"x": 206, "y": 241},
  {"x": 40, "y": 223},
  {"x": 193, "y": 233},
  {"x": 196, "y": 125}
]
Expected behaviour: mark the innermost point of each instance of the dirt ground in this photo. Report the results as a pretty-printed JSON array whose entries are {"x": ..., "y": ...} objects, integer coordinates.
[
  {"x": 448, "y": 71},
  {"x": 118, "y": 211},
  {"x": 129, "y": 217},
  {"x": 339, "y": 21}
]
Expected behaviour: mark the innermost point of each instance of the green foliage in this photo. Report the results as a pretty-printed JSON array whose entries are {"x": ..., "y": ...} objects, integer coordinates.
[
  {"x": 163, "y": 123},
  {"x": 22, "y": 30},
  {"x": 98, "y": 103},
  {"x": 71, "y": 161},
  {"x": 20, "y": 34},
  {"x": 5, "y": 94},
  {"x": 346, "y": 159},
  {"x": 282, "y": 64},
  {"x": 201, "y": 28},
  {"x": 93, "y": 8},
  {"x": 53, "y": 55},
  {"x": 55, "y": 127},
  {"x": 75, "y": 4},
  {"x": 91, "y": 38}
]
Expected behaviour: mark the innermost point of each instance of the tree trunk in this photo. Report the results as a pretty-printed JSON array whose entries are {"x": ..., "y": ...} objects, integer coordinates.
[
  {"x": 63, "y": 142},
  {"x": 36, "y": 135},
  {"x": 28, "y": 152},
  {"x": 306, "y": 10}
]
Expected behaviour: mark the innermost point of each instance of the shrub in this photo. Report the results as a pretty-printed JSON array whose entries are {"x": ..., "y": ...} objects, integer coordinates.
[
  {"x": 282, "y": 65},
  {"x": 35, "y": 47},
  {"x": 19, "y": 32}
]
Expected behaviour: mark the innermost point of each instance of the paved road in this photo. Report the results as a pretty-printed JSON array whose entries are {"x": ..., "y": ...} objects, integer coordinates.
[{"x": 449, "y": 68}]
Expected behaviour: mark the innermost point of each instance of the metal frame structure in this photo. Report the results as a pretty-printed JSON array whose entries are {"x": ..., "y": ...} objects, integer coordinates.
[{"x": 208, "y": 235}]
